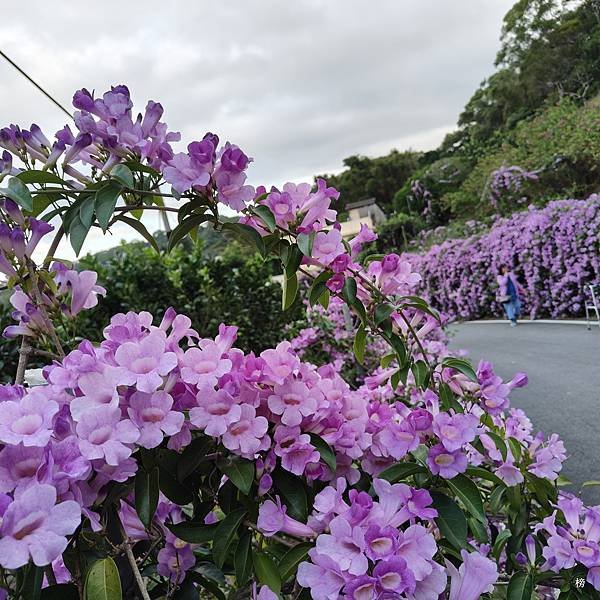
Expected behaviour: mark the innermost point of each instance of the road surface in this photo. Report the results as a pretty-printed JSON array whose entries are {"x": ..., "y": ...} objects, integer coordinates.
[{"x": 563, "y": 395}]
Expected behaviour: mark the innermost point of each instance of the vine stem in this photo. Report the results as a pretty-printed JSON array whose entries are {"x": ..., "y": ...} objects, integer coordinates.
[
  {"x": 134, "y": 567},
  {"x": 24, "y": 353}
]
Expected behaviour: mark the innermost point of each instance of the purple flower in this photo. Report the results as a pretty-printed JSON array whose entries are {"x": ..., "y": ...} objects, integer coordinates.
[
  {"x": 246, "y": 436},
  {"x": 81, "y": 285},
  {"x": 345, "y": 545},
  {"x": 38, "y": 230},
  {"x": 444, "y": 463},
  {"x": 98, "y": 389},
  {"x": 175, "y": 559},
  {"x": 102, "y": 434},
  {"x": 272, "y": 518},
  {"x": 294, "y": 449},
  {"x": 35, "y": 526},
  {"x": 28, "y": 420},
  {"x": 327, "y": 246},
  {"x": 380, "y": 542},
  {"x": 293, "y": 400},
  {"x": 215, "y": 411},
  {"x": 185, "y": 172},
  {"x": 19, "y": 466},
  {"x": 395, "y": 576},
  {"x": 364, "y": 587},
  {"x": 153, "y": 416},
  {"x": 322, "y": 576},
  {"x": 454, "y": 431},
  {"x": 475, "y": 576},
  {"x": 146, "y": 362},
  {"x": 417, "y": 547},
  {"x": 203, "y": 366}
]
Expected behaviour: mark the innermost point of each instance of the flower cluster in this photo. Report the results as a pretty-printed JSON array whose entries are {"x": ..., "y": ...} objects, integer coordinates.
[
  {"x": 553, "y": 251},
  {"x": 506, "y": 185}
]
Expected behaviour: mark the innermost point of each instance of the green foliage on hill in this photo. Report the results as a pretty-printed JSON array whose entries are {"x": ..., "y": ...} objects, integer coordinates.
[{"x": 540, "y": 111}]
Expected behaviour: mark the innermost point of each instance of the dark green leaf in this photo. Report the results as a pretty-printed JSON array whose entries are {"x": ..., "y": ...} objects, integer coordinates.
[
  {"x": 469, "y": 495},
  {"x": 86, "y": 211},
  {"x": 247, "y": 234},
  {"x": 146, "y": 494},
  {"x": 291, "y": 257},
  {"x": 382, "y": 312},
  {"x": 360, "y": 341},
  {"x": 105, "y": 202},
  {"x": 123, "y": 175},
  {"x": 290, "y": 290},
  {"x": 479, "y": 530},
  {"x": 225, "y": 534},
  {"x": 497, "y": 499},
  {"x": 292, "y": 489},
  {"x": 194, "y": 533},
  {"x": 500, "y": 542},
  {"x": 420, "y": 371},
  {"x": 520, "y": 586},
  {"x": 325, "y": 450},
  {"x": 186, "y": 591},
  {"x": 305, "y": 243},
  {"x": 401, "y": 471},
  {"x": 34, "y": 176},
  {"x": 242, "y": 559},
  {"x": 141, "y": 229},
  {"x": 169, "y": 485},
  {"x": 193, "y": 456},
  {"x": 450, "y": 520},
  {"x": 239, "y": 470},
  {"x": 77, "y": 234},
  {"x": 484, "y": 474},
  {"x": 291, "y": 559},
  {"x": 18, "y": 192},
  {"x": 266, "y": 216},
  {"x": 102, "y": 581},
  {"x": 318, "y": 287},
  {"x": 33, "y": 578},
  {"x": 448, "y": 399},
  {"x": 515, "y": 448},
  {"x": 185, "y": 227},
  {"x": 210, "y": 586},
  {"x": 461, "y": 365},
  {"x": 349, "y": 291},
  {"x": 499, "y": 442},
  {"x": 62, "y": 591},
  {"x": 266, "y": 571}
]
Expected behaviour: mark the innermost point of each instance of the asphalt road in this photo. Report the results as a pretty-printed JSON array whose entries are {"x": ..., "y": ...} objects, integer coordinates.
[{"x": 563, "y": 395}]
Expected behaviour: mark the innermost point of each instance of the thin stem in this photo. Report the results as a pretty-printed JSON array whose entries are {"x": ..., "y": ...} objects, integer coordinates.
[
  {"x": 62, "y": 191},
  {"x": 24, "y": 352},
  {"x": 134, "y": 567},
  {"x": 50, "y": 574},
  {"x": 54, "y": 246},
  {"x": 275, "y": 538}
]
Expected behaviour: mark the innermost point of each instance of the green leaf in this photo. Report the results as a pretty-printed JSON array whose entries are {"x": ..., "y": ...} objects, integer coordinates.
[
  {"x": 240, "y": 471},
  {"x": 184, "y": 228},
  {"x": 187, "y": 591},
  {"x": 349, "y": 291},
  {"x": 105, "y": 202},
  {"x": 242, "y": 559},
  {"x": 146, "y": 494},
  {"x": 400, "y": 471},
  {"x": 305, "y": 243},
  {"x": 469, "y": 495},
  {"x": 141, "y": 229},
  {"x": 291, "y": 487},
  {"x": 291, "y": 559},
  {"x": 246, "y": 234},
  {"x": 515, "y": 448},
  {"x": 325, "y": 450},
  {"x": 290, "y": 290},
  {"x": 34, "y": 176},
  {"x": 193, "y": 456},
  {"x": 318, "y": 287},
  {"x": 360, "y": 341},
  {"x": 225, "y": 534},
  {"x": 291, "y": 257},
  {"x": 461, "y": 365},
  {"x": 102, "y": 581},
  {"x": 420, "y": 371},
  {"x": 33, "y": 578},
  {"x": 123, "y": 175},
  {"x": 386, "y": 361},
  {"x": 86, "y": 211},
  {"x": 497, "y": 499},
  {"x": 169, "y": 485},
  {"x": 77, "y": 234},
  {"x": 500, "y": 541},
  {"x": 499, "y": 442},
  {"x": 18, "y": 192},
  {"x": 450, "y": 520},
  {"x": 382, "y": 312},
  {"x": 266, "y": 216},
  {"x": 266, "y": 571},
  {"x": 484, "y": 474},
  {"x": 62, "y": 591},
  {"x": 448, "y": 399},
  {"x": 210, "y": 586},
  {"x": 194, "y": 533},
  {"x": 520, "y": 586},
  {"x": 591, "y": 483}
]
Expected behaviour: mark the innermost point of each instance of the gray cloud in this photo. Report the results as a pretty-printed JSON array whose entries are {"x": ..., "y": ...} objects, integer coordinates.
[{"x": 299, "y": 85}]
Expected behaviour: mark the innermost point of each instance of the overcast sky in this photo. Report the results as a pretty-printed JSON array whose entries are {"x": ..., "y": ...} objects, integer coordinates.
[{"x": 299, "y": 85}]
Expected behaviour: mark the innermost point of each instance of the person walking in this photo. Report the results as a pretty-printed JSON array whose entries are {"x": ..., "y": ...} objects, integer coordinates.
[{"x": 509, "y": 294}]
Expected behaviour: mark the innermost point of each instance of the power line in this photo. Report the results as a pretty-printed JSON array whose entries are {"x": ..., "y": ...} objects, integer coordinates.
[{"x": 37, "y": 85}]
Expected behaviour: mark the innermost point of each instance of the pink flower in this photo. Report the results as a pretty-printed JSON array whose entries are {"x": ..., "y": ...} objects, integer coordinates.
[
  {"x": 34, "y": 525},
  {"x": 146, "y": 362},
  {"x": 204, "y": 366},
  {"x": 98, "y": 389},
  {"x": 153, "y": 416},
  {"x": 327, "y": 246},
  {"x": 215, "y": 411},
  {"x": 28, "y": 420},
  {"x": 417, "y": 547},
  {"x": 345, "y": 545},
  {"x": 102, "y": 434},
  {"x": 280, "y": 362},
  {"x": 246, "y": 436},
  {"x": 322, "y": 576},
  {"x": 475, "y": 576},
  {"x": 293, "y": 401},
  {"x": 510, "y": 474},
  {"x": 444, "y": 463}
]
